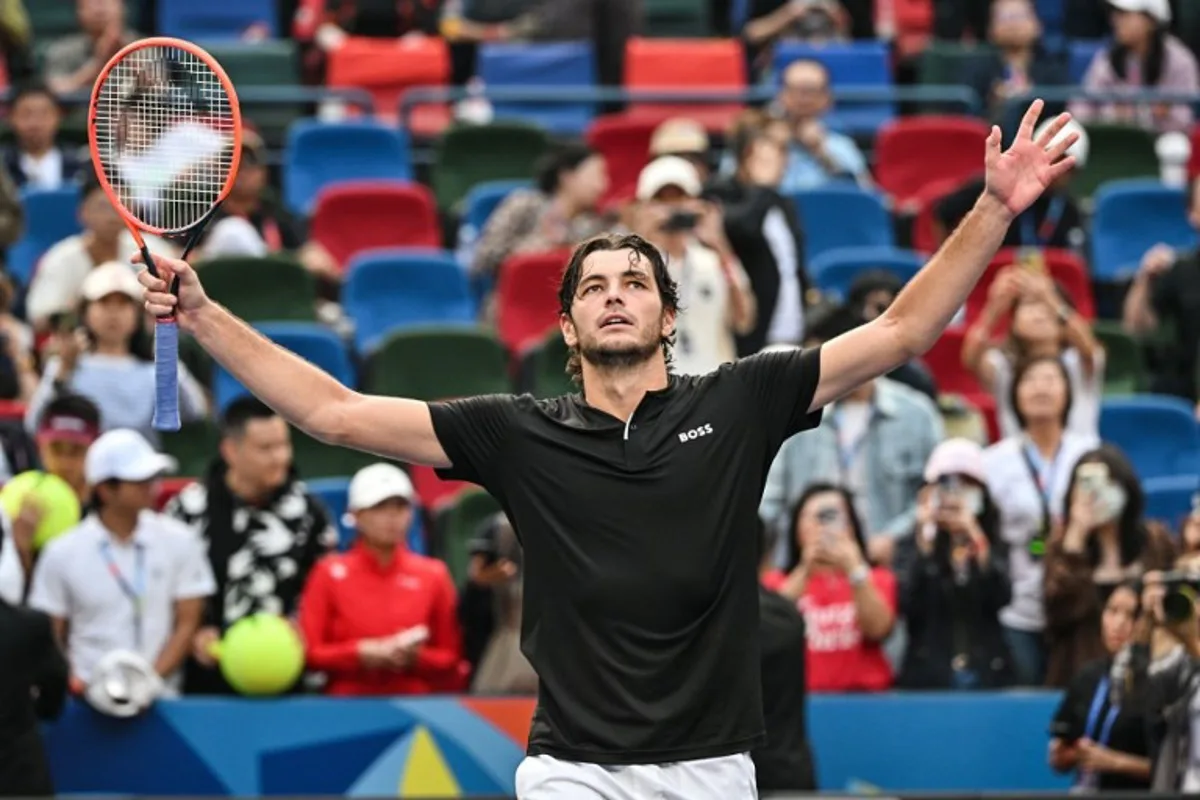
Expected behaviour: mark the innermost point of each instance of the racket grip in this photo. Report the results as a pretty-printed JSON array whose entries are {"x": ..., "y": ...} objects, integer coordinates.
[{"x": 166, "y": 375}]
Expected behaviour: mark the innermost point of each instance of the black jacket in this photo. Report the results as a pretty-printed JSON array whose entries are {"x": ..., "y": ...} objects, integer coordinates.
[{"x": 72, "y": 164}]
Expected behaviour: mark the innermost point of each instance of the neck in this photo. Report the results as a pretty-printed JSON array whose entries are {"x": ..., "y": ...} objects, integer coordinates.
[
  {"x": 618, "y": 390},
  {"x": 863, "y": 394},
  {"x": 101, "y": 249},
  {"x": 110, "y": 348},
  {"x": 37, "y": 149},
  {"x": 382, "y": 553},
  {"x": 1046, "y": 435},
  {"x": 1018, "y": 55},
  {"x": 120, "y": 524},
  {"x": 1140, "y": 49},
  {"x": 244, "y": 489}
]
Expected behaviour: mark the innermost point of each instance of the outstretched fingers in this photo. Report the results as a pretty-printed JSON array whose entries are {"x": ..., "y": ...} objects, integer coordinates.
[
  {"x": 1053, "y": 129},
  {"x": 1060, "y": 168},
  {"x": 1060, "y": 148},
  {"x": 1032, "y": 114},
  {"x": 993, "y": 145}
]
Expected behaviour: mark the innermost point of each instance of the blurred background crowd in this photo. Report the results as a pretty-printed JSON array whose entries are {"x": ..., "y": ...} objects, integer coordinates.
[{"x": 996, "y": 514}]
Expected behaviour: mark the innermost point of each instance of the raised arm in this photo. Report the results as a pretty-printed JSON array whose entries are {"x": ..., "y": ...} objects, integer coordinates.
[
  {"x": 304, "y": 395},
  {"x": 911, "y": 325}
]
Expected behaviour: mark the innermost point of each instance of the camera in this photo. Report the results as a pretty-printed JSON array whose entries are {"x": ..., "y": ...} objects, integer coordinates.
[
  {"x": 1182, "y": 592},
  {"x": 680, "y": 221}
]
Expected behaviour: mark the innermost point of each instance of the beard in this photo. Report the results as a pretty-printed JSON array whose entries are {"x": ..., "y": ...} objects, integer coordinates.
[{"x": 617, "y": 357}]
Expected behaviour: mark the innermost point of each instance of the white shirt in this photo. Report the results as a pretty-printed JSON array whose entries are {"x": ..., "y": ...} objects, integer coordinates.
[
  {"x": 703, "y": 337},
  {"x": 12, "y": 573},
  {"x": 787, "y": 319},
  {"x": 1017, "y": 496},
  {"x": 1086, "y": 392},
  {"x": 163, "y": 562},
  {"x": 234, "y": 236},
  {"x": 45, "y": 172}
]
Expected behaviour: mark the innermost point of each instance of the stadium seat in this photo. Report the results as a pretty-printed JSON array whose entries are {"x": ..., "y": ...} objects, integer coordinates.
[
  {"x": 468, "y": 155},
  {"x": 319, "y": 154},
  {"x": 1124, "y": 370},
  {"x": 842, "y": 215},
  {"x": 945, "y": 362},
  {"x": 544, "y": 368},
  {"x": 924, "y": 232},
  {"x": 168, "y": 488},
  {"x": 333, "y": 494},
  {"x": 314, "y": 459},
  {"x": 51, "y": 19},
  {"x": 1115, "y": 152},
  {"x": 315, "y": 343},
  {"x": 625, "y": 144},
  {"x": 835, "y": 270},
  {"x": 1080, "y": 53},
  {"x": 912, "y": 152},
  {"x": 1065, "y": 268},
  {"x": 194, "y": 446},
  {"x": 389, "y": 67},
  {"x": 565, "y": 66},
  {"x": 212, "y": 20},
  {"x": 945, "y": 63},
  {"x": 677, "y": 18},
  {"x": 434, "y": 492},
  {"x": 51, "y": 215},
  {"x": 527, "y": 297},
  {"x": 262, "y": 64},
  {"x": 269, "y": 289},
  {"x": 914, "y": 26},
  {"x": 696, "y": 65},
  {"x": 387, "y": 290},
  {"x": 484, "y": 198},
  {"x": 458, "y": 524},
  {"x": 438, "y": 362},
  {"x": 1171, "y": 499},
  {"x": 853, "y": 65},
  {"x": 1130, "y": 218},
  {"x": 1159, "y": 434},
  {"x": 352, "y": 218}
]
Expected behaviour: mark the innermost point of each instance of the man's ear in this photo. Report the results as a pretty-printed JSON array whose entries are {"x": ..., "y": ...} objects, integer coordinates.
[
  {"x": 668, "y": 322},
  {"x": 567, "y": 326}
]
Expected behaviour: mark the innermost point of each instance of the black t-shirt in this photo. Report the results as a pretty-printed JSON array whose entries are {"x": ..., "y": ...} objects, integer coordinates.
[
  {"x": 1176, "y": 296},
  {"x": 784, "y": 763},
  {"x": 1081, "y": 715},
  {"x": 641, "y": 587}
]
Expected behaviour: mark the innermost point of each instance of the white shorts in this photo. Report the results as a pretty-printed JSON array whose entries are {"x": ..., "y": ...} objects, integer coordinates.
[{"x": 725, "y": 778}]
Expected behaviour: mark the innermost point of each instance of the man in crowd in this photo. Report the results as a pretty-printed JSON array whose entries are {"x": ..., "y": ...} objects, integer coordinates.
[
  {"x": 35, "y": 160},
  {"x": 73, "y": 62},
  {"x": 817, "y": 155}
]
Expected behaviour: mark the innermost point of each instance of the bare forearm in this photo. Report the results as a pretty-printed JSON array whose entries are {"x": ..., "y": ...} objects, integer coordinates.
[
  {"x": 174, "y": 651},
  {"x": 875, "y": 619},
  {"x": 766, "y": 28},
  {"x": 1137, "y": 317}
]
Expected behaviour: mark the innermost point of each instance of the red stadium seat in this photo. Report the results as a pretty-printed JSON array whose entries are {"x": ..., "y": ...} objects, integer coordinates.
[
  {"x": 913, "y": 152},
  {"x": 945, "y": 361},
  {"x": 352, "y": 217},
  {"x": 914, "y": 24},
  {"x": 168, "y": 488},
  {"x": 387, "y": 68},
  {"x": 433, "y": 492},
  {"x": 924, "y": 236},
  {"x": 695, "y": 65},
  {"x": 1066, "y": 268},
  {"x": 12, "y": 410},
  {"x": 625, "y": 144},
  {"x": 527, "y": 297}
]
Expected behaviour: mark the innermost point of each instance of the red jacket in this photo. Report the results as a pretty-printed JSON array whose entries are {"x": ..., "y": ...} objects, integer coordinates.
[{"x": 351, "y": 596}]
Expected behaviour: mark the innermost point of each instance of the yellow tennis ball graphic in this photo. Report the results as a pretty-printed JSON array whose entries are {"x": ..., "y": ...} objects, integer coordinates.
[
  {"x": 58, "y": 501},
  {"x": 261, "y": 655}
]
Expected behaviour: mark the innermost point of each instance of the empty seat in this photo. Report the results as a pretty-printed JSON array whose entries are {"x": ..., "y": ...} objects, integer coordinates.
[
  {"x": 216, "y": 19},
  {"x": 333, "y": 494},
  {"x": 673, "y": 18},
  {"x": 438, "y": 362},
  {"x": 924, "y": 232},
  {"x": 1159, "y": 434},
  {"x": 482, "y": 200},
  {"x": 1172, "y": 498},
  {"x": 1124, "y": 369},
  {"x": 851, "y": 65},
  {"x": 388, "y": 290},
  {"x": 458, "y": 524},
  {"x": 567, "y": 66},
  {"x": 945, "y": 362},
  {"x": 434, "y": 492},
  {"x": 352, "y": 218},
  {"x": 1130, "y": 218},
  {"x": 468, "y": 155},
  {"x": 315, "y": 459},
  {"x": 261, "y": 64},
  {"x": 544, "y": 368},
  {"x": 842, "y": 215},
  {"x": 319, "y": 154},
  {"x": 387, "y": 68},
  {"x": 1080, "y": 53},
  {"x": 168, "y": 488},
  {"x": 695, "y": 65},
  {"x": 625, "y": 144},
  {"x": 1115, "y": 153},
  {"x": 51, "y": 215},
  {"x": 268, "y": 289},
  {"x": 194, "y": 446},
  {"x": 911, "y": 152},
  {"x": 315, "y": 343},
  {"x": 835, "y": 270},
  {"x": 527, "y": 297}
]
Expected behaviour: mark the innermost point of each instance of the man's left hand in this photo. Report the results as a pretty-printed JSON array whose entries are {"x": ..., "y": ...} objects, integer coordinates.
[{"x": 1018, "y": 176}]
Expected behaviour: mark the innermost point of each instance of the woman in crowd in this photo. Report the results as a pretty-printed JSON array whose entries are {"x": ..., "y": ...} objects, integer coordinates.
[
  {"x": 1100, "y": 730},
  {"x": 956, "y": 580},
  {"x": 849, "y": 607},
  {"x": 1143, "y": 56},
  {"x": 108, "y": 359},
  {"x": 1043, "y": 323},
  {"x": 1104, "y": 541},
  {"x": 1027, "y": 477}
]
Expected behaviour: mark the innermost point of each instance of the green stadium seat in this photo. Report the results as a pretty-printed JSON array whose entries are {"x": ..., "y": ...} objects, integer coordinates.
[
  {"x": 546, "y": 368},
  {"x": 437, "y": 363},
  {"x": 262, "y": 64},
  {"x": 457, "y": 525},
  {"x": 51, "y": 19},
  {"x": 270, "y": 289},
  {"x": 1124, "y": 370},
  {"x": 315, "y": 459},
  {"x": 467, "y": 155},
  {"x": 678, "y": 19},
  {"x": 1115, "y": 152},
  {"x": 194, "y": 446},
  {"x": 948, "y": 64}
]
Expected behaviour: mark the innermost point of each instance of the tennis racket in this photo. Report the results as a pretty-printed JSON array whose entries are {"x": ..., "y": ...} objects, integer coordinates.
[{"x": 165, "y": 133}]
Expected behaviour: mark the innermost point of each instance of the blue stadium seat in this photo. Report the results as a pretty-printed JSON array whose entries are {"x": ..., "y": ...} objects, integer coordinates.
[
  {"x": 1131, "y": 217},
  {"x": 318, "y": 154},
  {"x": 51, "y": 215},
  {"x": 483, "y": 199},
  {"x": 389, "y": 289},
  {"x": 1080, "y": 53},
  {"x": 835, "y": 270},
  {"x": 213, "y": 20},
  {"x": 315, "y": 343},
  {"x": 1159, "y": 434},
  {"x": 1170, "y": 499},
  {"x": 843, "y": 215},
  {"x": 558, "y": 65},
  {"x": 333, "y": 493},
  {"x": 866, "y": 64}
]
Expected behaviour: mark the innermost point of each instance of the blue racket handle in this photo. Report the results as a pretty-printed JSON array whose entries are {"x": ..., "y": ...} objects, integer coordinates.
[{"x": 166, "y": 375}]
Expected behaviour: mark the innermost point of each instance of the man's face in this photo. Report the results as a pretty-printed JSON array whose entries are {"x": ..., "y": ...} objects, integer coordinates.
[
  {"x": 98, "y": 216},
  {"x": 617, "y": 318},
  {"x": 97, "y": 16},
  {"x": 35, "y": 121},
  {"x": 64, "y": 458},
  {"x": 805, "y": 91},
  {"x": 386, "y": 524},
  {"x": 130, "y": 497},
  {"x": 1014, "y": 24},
  {"x": 262, "y": 455}
]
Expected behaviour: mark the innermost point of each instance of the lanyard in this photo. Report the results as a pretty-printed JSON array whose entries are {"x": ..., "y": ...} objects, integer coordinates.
[
  {"x": 848, "y": 452},
  {"x": 1088, "y": 780},
  {"x": 1039, "y": 235},
  {"x": 1044, "y": 474},
  {"x": 135, "y": 592}
]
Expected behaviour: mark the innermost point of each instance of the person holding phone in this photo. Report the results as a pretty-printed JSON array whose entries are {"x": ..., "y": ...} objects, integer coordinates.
[{"x": 849, "y": 607}]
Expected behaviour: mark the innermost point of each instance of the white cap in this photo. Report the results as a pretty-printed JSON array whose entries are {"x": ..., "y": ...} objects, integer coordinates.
[
  {"x": 111, "y": 277},
  {"x": 124, "y": 455},
  {"x": 668, "y": 171},
  {"x": 679, "y": 135},
  {"x": 1159, "y": 9},
  {"x": 372, "y": 485},
  {"x": 1082, "y": 144},
  {"x": 956, "y": 457}
]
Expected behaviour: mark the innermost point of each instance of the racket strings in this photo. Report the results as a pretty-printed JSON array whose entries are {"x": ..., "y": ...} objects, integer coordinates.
[{"x": 164, "y": 135}]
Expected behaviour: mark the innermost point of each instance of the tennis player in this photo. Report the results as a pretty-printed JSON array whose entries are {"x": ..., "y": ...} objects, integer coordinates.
[{"x": 635, "y": 499}]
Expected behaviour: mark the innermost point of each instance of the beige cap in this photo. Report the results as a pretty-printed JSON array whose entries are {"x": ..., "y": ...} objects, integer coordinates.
[
  {"x": 679, "y": 135},
  {"x": 111, "y": 277},
  {"x": 668, "y": 171}
]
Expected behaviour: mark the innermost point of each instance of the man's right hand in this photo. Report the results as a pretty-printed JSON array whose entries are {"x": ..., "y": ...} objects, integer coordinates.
[
  {"x": 202, "y": 645},
  {"x": 159, "y": 300}
]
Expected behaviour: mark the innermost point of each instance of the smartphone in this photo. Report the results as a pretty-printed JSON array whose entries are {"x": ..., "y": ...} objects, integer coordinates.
[
  {"x": 65, "y": 322},
  {"x": 831, "y": 519},
  {"x": 1092, "y": 477},
  {"x": 1032, "y": 260},
  {"x": 680, "y": 221}
]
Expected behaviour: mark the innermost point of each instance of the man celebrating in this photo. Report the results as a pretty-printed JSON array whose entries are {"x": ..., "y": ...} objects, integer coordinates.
[{"x": 635, "y": 500}]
